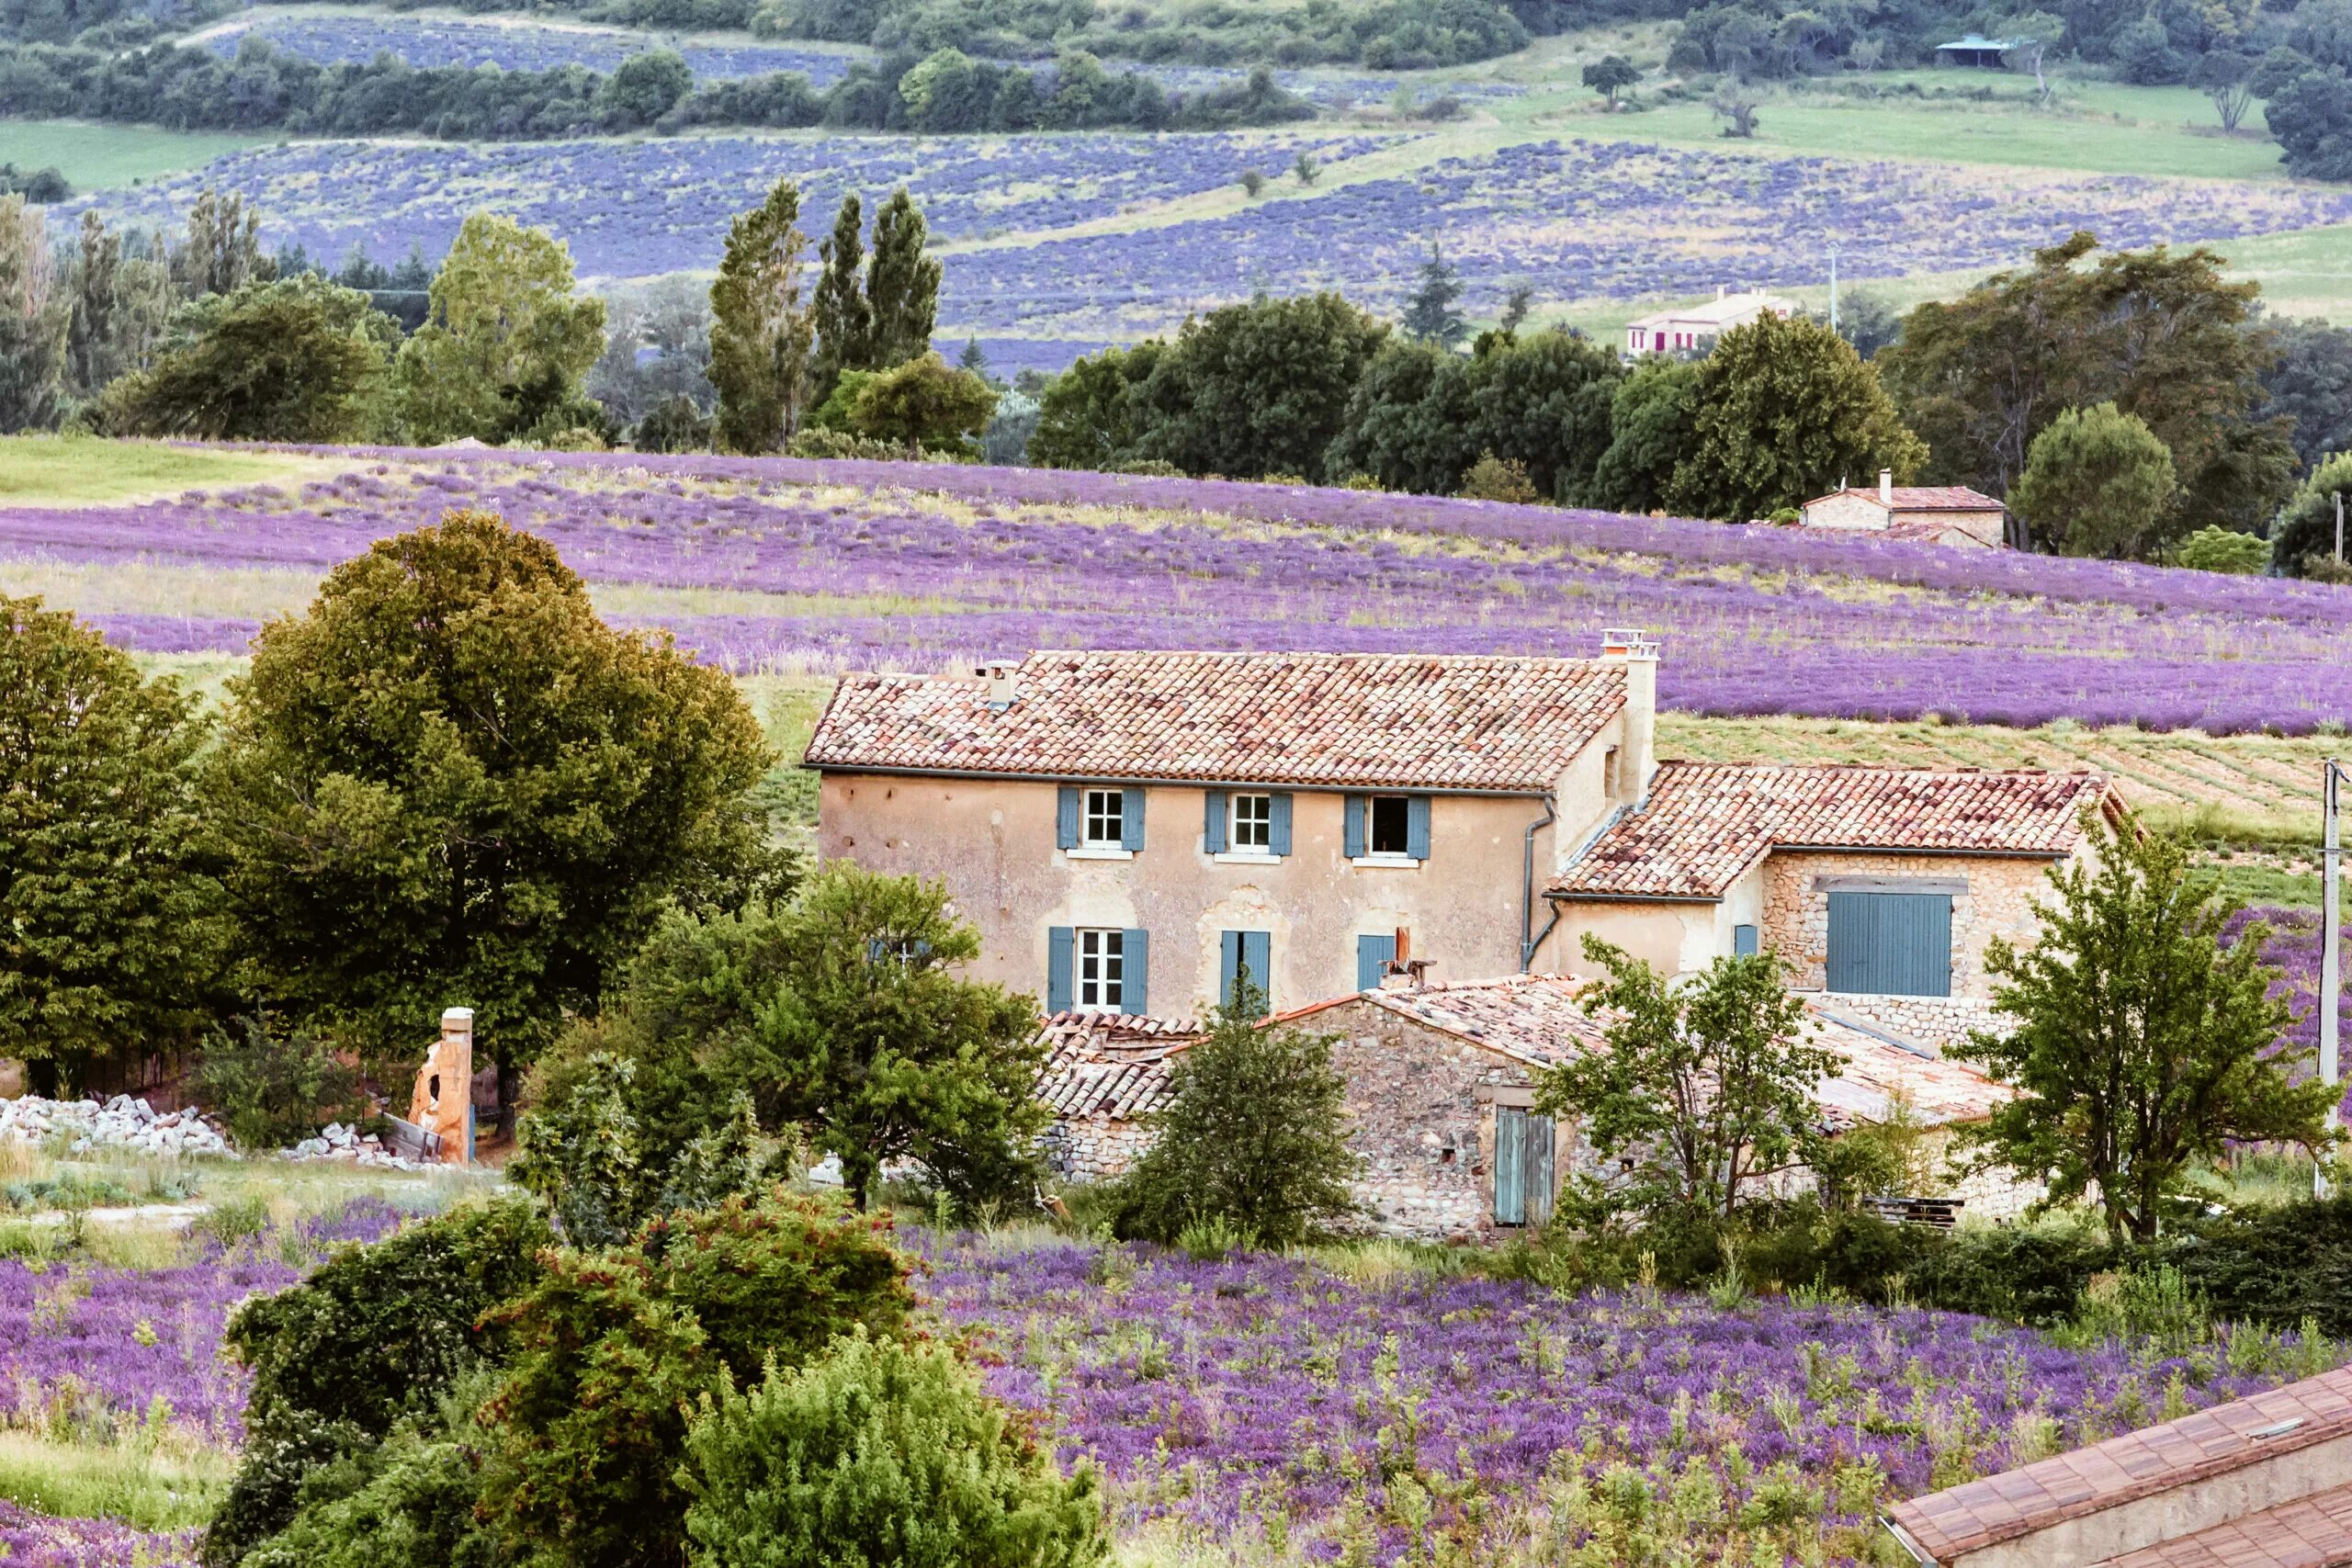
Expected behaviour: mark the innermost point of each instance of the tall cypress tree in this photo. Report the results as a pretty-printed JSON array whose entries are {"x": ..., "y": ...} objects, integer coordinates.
[
  {"x": 759, "y": 330},
  {"x": 844, "y": 321},
  {"x": 1430, "y": 316},
  {"x": 902, "y": 286}
]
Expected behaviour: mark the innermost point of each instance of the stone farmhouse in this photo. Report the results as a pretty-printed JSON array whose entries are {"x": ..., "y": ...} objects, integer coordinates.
[
  {"x": 1932, "y": 515},
  {"x": 1694, "y": 328},
  {"x": 1131, "y": 832}
]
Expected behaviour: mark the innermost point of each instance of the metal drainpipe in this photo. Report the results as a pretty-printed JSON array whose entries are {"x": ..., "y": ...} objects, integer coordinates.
[{"x": 1528, "y": 941}]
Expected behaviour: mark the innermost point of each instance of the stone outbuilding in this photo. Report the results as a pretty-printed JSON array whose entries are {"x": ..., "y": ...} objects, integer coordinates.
[{"x": 1931, "y": 514}]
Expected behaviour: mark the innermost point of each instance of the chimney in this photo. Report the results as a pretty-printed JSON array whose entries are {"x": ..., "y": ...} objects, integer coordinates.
[
  {"x": 998, "y": 673},
  {"x": 1886, "y": 488},
  {"x": 1719, "y": 291},
  {"x": 443, "y": 1102},
  {"x": 1626, "y": 645}
]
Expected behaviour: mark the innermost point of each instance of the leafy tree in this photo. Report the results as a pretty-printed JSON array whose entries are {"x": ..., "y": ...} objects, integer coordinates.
[
  {"x": 880, "y": 1453},
  {"x": 1609, "y": 75},
  {"x": 42, "y": 188},
  {"x": 1651, "y": 418},
  {"x": 1519, "y": 302},
  {"x": 2144, "y": 1043},
  {"x": 643, "y": 88},
  {"x": 2306, "y": 529},
  {"x": 1431, "y": 317},
  {"x": 1707, "y": 1087},
  {"x": 1784, "y": 410},
  {"x": 450, "y": 781},
  {"x": 657, "y": 351},
  {"x": 2098, "y": 482},
  {"x": 34, "y": 320},
  {"x": 298, "y": 359},
  {"x": 2219, "y": 549},
  {"x": 612, "y": 1350},
  {"x": 924, "y": 403},
  {"x": 1304, "y": 166},
  {"x": 2226, "y": 77},
  {"x": 842, "y": 319},
  {"x": 761, "y": 332},
  {"x": 1498, "y": 479},
  {"x": 120, "y": 302},
  {"x": 221, "y": 251},
  {"x": 1736, "y": 104},
  {"x": 2310, "y": 117},
  {"x": 674, "y": 424},
  {"x": 1093, "y": 415},
  {"x": 503, "y": 352},
  {"x": 108, "y": 935},
  {"x": 1258, "y": 389},
  {"x": 2035, "y": 33},
  {"x": 1254, "y": 1135},
  {"x": 2311, "y": 383},
  {"x": 2161, "y": 335},
  {"x": 1864, "y": 319},
  {"x": 276, "y": 1086},
  {"x": 406, "y": 1500},
  {"x": 901, "y": 284}
]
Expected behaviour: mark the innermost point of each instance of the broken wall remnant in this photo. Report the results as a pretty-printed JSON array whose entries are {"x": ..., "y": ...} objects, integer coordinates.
[{"x": 442, "y": 1102}]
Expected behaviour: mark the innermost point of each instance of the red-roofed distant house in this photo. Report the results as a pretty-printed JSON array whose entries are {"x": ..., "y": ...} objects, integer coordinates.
[{"x": 1934, "y": 514}]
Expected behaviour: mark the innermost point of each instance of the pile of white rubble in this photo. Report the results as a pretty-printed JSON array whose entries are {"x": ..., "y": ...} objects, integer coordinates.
[
  {"x": 122, "y": 1122},
  {"x": 339, "y": 1142}
]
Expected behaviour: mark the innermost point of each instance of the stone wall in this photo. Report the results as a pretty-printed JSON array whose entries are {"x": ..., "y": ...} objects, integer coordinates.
[
  {"x": 1094, "y": 1148},
  {"x": 1995, "y": 901},
  {"x": 1936, "y": 1023},
  {"x": 1420, "y": 1120}
]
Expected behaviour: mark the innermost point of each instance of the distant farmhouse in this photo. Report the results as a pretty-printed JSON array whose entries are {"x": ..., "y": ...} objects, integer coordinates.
[
  {"x": 1935, "y": 515},
  {"x": 1976, "y": 50},
  {"x": 1696, "y": 327},
  {"x": 1132, "y": 831}
]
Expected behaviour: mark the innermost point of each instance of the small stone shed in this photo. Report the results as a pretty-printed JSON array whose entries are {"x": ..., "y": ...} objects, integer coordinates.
[
  {"x": 2264, "y": 1482},
  {"x": 1440, "y": 1090},
  {"x": 1933, "y": 515}
]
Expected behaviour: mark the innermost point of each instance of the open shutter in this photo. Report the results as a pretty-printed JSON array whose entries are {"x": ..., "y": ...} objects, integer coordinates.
[
  {"x": 1131, "y": 819},
  {"x": 1351, "y": 835},
  {"x": 1065, "y": 818},
  {"x": 1511, "y": 1166},
  {"x": 1417, "y": 826},
  {"x": 1279, "y": 831},
  {"x": 1135, "y": 971},
  {"x": 1536, "y": 1170},
  {"x": 1213, "y": 824},
  {"x": 1258, "y": 958},
  {"x": 1372, "y": 953},
  {"x": 1742, "y": 941},
  {"x": 1228, "y": 965},
  {"x": 1061, "y": 948}
]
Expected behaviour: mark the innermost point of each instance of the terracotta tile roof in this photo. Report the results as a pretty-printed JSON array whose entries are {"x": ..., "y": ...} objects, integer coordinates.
[
  {"x": 2312, "y": 1532},
  {"x": 2130, "y": 1468},
  {"x": 1109, "y": 1066},
  {"x": 1706, "y": 823},
  {"x": 1333, "y": 720},
  {"x": 1922, "y": 498}
]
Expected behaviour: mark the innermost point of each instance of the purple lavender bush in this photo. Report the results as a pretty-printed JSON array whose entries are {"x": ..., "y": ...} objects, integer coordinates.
[{"x": 34, "y": 1541}]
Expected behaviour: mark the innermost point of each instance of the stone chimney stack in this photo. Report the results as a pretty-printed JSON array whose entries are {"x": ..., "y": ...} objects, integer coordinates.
[
  {"x": 443, "y": 1103},
  {"x": 1628, "y": 646},
  {"x": 999, "y": 673},
  {"x": 1886, "y": 488}
]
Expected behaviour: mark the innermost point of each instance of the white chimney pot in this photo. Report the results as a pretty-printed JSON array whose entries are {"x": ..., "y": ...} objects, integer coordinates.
[{"x": 1886, "y": 487}]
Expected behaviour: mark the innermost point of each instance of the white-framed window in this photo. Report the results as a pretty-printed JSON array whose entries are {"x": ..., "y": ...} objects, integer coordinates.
[
  {"x": 1388, "y": 825},
  {"x": 1101, "y": 968},
  {"x": 1253, "y": 824},
  {"x": 1102, "y": 819}
]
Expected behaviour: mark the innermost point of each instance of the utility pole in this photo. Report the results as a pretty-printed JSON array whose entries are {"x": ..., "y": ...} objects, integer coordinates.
[
  {"x": 1832, "y": 327},
  {"x": 2331, "y": 952},
  {"x": 2339, "y": 494}
]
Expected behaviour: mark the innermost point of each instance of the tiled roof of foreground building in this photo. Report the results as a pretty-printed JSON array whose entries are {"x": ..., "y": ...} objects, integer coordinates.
[
  {"x": 2221, "y": 1486},
  {"x": 1332, "y": 720},
  {"x": 1116, "y": 1066},
  {"x": 1705, "y": 823}
]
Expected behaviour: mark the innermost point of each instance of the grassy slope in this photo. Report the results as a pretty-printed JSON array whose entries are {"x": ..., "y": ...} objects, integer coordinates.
[
  {"x": 49, "y": 470},
  {"x": 95, "y": 157}
]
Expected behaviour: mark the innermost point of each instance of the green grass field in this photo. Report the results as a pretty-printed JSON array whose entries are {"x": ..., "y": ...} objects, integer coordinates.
[
  {"x": 96, "y": 157},
  {"x": 63, "y": 470}
]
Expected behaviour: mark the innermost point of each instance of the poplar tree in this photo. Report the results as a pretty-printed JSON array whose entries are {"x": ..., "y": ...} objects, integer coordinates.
[
  {"x": 761, "y": 329},
  {"x": 843, "y": 320},
  {"x": 903, "y": 285},
  {"x": 223, "y": 251},
  {"x": 32, "y": 321}
]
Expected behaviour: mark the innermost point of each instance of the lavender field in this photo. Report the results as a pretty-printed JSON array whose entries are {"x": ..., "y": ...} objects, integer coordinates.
[{"x": 778, "y": 565}]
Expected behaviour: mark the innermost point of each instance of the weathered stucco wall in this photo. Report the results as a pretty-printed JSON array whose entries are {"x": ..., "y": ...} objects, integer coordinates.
[
  {"x": 1996, "y": 901},
  {"x": 1953, "y": 527},
  {"x": 993, "y": 843},
  {"x": 1845, "y": 511}
]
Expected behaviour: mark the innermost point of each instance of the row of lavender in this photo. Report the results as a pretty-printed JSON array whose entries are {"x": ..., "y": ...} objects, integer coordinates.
[{"x": 902, "y": 566}]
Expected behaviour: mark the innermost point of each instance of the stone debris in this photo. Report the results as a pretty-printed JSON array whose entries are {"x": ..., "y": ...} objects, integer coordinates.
[
  {"x": 122, "y": 1122},
  {"x": 337, "y": 1141}
]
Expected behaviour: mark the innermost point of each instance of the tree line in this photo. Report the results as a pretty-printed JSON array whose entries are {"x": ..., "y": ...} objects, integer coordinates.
[{"x": 263, "y": 87}]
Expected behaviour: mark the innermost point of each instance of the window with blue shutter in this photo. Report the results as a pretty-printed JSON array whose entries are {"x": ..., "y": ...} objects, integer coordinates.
[
  {"x": 1134, "y": 992},
  {"x": 1131, "y": 819},
  {"x": 1742, "y": 941},
  {"x": 1065, "y": 818},
  {"x": 1352, "y": 831},
  {"x": 1372, "y": 953},
  {"x": 1061, "y": 946},
  {"x": 1895, "y": 944},
  {"x": 1278, "y": 829},
  {"x": 1213, "y": 823},
  {"x": 1250, "y": 951}
]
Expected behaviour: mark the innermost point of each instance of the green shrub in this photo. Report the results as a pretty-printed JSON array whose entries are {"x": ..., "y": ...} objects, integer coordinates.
[
  {"x": 879, "y": 1454},
  {"x": 231, "y": 1220},
  {"x": 1498, "y": 479},
  {"x": 275, "y": 1088},
  {"x": 280, "y": 1455},
  {"x": 403, "y": 1502},
  {"x": 2216, "y": 548},
  {"x": 2276, "y": 1266}
]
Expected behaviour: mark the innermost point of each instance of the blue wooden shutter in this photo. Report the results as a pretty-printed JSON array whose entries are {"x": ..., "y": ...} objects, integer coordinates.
[
  {"x": 1228, "y": 965},
  {"x": 1066, "y": 818},
  {"x": 1371, "y": 951},
  {"x": 1258, "y": 958},
  {"x": 1511, "y": 1166},
  {"x": 1278, "y": 832},
  {"x": 1061, "y": 947},
  {"x": 1895, "y": 944},
  {"x": 1131, "y": 819},
  {"x": 1135, "y": 971},
  {"x": 1536, "y": 1170},
  {"x": 1213, "y": 824},
  {"x": 1742, "y": 941},
  {"x": 1417, "y": 826},
  {"x": 1351, "y": 835}
]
